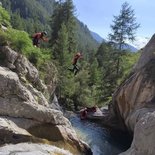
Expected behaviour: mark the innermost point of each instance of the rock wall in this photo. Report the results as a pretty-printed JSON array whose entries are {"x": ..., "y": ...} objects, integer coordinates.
[
  {"x": 25, "y": 114},
  {"x": 32, "y": 149},
  {"x": 134, "y": 103}
]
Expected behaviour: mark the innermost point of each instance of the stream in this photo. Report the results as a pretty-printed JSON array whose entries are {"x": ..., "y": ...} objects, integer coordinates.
[{"x": 101, "y": 140}]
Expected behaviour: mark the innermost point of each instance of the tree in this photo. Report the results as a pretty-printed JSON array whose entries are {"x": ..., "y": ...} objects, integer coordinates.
[
  {"x": 106, "y": 58},
  {"x": 4, "y": 17},
  {"x": 124, "y": 26},
  {"x": 63, "y": 42},
  {"x": 16, "y": 21},
  {"x": 61, "y": 45},
  {"x": 64, "y": 14},
  {"x": 71, "y": 24}
]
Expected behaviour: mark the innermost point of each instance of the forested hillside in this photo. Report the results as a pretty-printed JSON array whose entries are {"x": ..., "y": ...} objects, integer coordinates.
[
  {"x": 31, "y": 16},
  {"x": 101, "y": 68},
  {"x": 35, "y": 15}
]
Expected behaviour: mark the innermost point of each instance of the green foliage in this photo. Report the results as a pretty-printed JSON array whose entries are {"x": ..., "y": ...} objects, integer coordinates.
[
  {"x": 61, "y": 46},
  {"x": 75, "y": 91},
  {"x": 99, "y": 74},
  {"x": 20, "y": 41},
  {"x": 31, "y": 16},
  {"x": 16, "y": 21},
  {"x": 3, "y": 38},
  {"x": 31, "y": 9},
  {"x": 64, "y": 15},
  {"x": 85, "y": 42},
  {"x": 128, "y": 61},
  {"x": 124, "y": 26},
  {"x": 4, "y": 17},
  {"x": 107, "y": 62},
  {"x": 39, "y": 57},
  {"x": 93, "y": 73},
  {"x": 123, "y": 29},
  {"x": 109, "y": 79},
  {"x": 98, "y": 77}
]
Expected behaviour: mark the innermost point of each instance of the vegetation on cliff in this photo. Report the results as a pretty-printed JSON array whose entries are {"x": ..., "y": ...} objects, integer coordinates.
[{"x": 97, "y": 78}]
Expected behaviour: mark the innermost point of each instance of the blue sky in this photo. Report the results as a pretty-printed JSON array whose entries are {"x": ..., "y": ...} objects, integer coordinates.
[{"x": 98, "y": 15}]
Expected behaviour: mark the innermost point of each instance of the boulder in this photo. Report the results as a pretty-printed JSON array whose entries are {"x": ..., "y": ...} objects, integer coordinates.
[
  {"x": 26, "y": 72},
  {"x": 25, "y": 113},
  {"x": 55, "y": 104},
  {"x": 144, "y": 137},
  {"x": 32, "y": 149},
  {"x": 10, "y": 132},
  {"x": 147, "y": 54},
  {"x": 134, "y": 103}
]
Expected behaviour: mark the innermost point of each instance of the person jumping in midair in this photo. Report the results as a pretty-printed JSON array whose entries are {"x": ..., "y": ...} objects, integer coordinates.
[{"x": 75, "y": 68}]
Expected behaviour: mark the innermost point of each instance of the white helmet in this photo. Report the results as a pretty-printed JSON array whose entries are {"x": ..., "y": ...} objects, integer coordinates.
[{"x": 44, "y": 32}]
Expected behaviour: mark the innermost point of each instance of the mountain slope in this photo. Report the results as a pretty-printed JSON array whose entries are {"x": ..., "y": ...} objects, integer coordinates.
[
  {"x": 130, "y": 47},
  {"x": 99, "y": 39},
  {"x": 86, "y": 42},
  {"x": 35, "y": 15},
  {"x": 36, "y": 9}
]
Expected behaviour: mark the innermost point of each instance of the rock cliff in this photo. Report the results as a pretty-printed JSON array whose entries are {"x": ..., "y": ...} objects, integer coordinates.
[
  {"x": 32, "y": 149},
  {"x": 25, "y": 113},
  {"x": 134, "y": 103}
]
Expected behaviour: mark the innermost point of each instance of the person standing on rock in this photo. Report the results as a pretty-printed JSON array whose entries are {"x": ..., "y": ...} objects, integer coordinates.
[{"x": 39, "y": 36}]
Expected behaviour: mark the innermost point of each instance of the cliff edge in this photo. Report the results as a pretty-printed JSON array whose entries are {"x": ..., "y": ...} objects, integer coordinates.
[
  {"x": 134, "y": 103},
  {"x": 25, "y": 112}
]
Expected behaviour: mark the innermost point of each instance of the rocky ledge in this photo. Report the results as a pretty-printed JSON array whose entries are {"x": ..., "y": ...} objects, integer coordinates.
[
  {"x": 26, "y": 115},
  {"x": 133, "y": 105}
]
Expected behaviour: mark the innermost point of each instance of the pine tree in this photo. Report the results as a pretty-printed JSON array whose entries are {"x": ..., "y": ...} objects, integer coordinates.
[
  {"x": 63, "y": 42},
  {"x": 124, "y": 26},
  {"x": 61, "y": 45},
  {"x": 64, "y": 14},
  {"x": 71, "y": 25},
  {"x": 106, "y": 57},
  {"x": 16, "y": 21},
  {"x": 4, "y": 17}
]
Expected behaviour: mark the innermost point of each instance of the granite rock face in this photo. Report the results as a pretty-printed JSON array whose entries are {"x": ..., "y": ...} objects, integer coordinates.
[
  {"x": 134, "y": 103},
  {"x": 32, "y": 149},
  {"x": 25, "y": 112}
]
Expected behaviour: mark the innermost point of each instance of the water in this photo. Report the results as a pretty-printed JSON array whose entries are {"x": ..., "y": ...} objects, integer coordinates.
[{"x": 101, "y": 140}]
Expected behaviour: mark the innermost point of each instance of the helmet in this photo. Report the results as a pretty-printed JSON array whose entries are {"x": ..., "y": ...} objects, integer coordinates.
[{"x": 44, "y": 32}]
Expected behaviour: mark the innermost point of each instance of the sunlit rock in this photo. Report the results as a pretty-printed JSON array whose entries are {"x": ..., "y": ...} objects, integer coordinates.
[
  {"x": 25, "y": 113},
  {"x": 134, "y": 103},
  {"x": 32, "y": 149}
]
